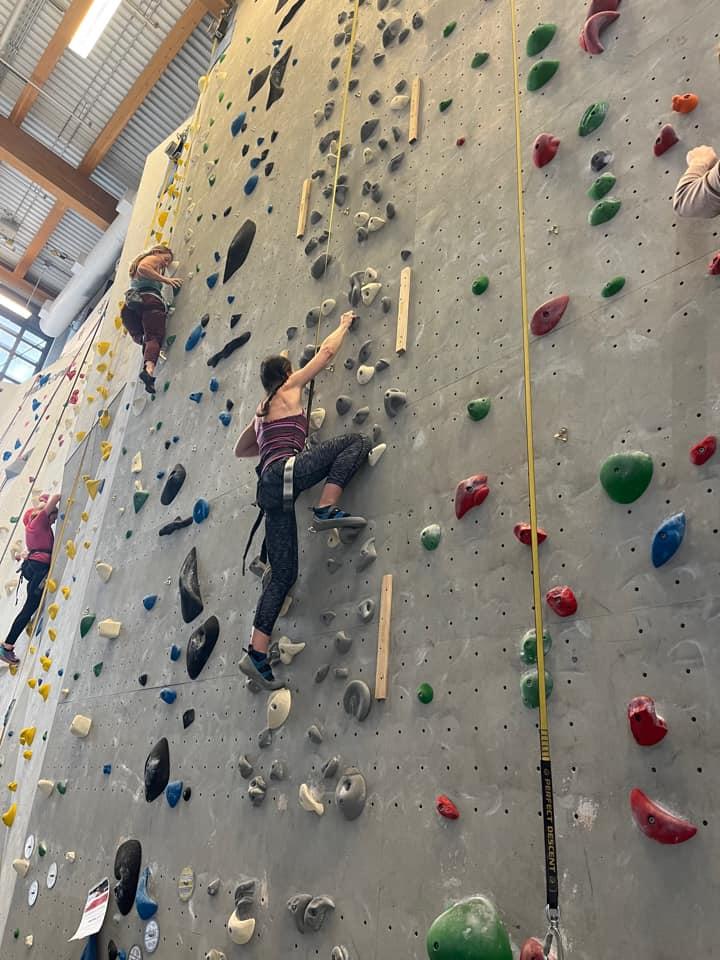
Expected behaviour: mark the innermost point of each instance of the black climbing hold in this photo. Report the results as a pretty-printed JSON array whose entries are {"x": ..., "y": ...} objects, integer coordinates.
[
  {"x": 234, "y": 320},
  {"x": 143, "y": 679},
  {"x": 276, "y": 78},
  {"x": 327, "y": 139},
  {"x": 187, "y": 793},
  {"x": 391, "y": 32},
  {"x": 290, "y": 14},
  {"x": 417, "y": 21},
  {"x": 239, "y": 249},
  {"x": 403, "y": 35},
  {"x": 315, "y": 217},
  {"x": 343, "y": 405},
  {"x": 291, "y": 332},
  {"x": 190, "y": 600},
  {"x": 376, "y": 192},
  {"x": 320, "y": 265},
  {"x": 382, "y": 143},
  {"x": 177, "y": 524},
  {"x": 188, "y": 718},
  {"x": 390, "y": 211},
  {"x": 257, "y": 81},
  {"x": 396, "y": 162},
  {"x": 128, "y": 859},
  {"x": 397, "y": 133},
  {"x": 229, "y": 348},
  {"x": 374, "y": 97},
  {"x": 378, "y": 58},
  {"x": 173, "y": 484},
  {"x": 405, "y": 254},
  {"x": 157, "y": 770},
  {"x": 205, "y": 318},
  {"x": 367, "y": 129},
  {"x": 400, "y": 86},
  {"x": 200, "y": 645},
  {"x": 310, "y": 246},
  {"x": 601, "y": 159}
]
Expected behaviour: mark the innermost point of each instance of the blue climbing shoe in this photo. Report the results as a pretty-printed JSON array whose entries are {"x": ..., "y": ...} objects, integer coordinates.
[
  {"x": 325, "y": 518},
  {"x": 8, "y": 655},
  {"x": 257, "y": 666}
]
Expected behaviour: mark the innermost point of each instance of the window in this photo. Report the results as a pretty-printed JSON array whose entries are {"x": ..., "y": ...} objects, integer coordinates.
[{"x": 22, "y": 351}]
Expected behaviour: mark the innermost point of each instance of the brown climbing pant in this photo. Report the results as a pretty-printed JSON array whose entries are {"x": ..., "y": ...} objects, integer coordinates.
[{"x": 145, "y": 322}]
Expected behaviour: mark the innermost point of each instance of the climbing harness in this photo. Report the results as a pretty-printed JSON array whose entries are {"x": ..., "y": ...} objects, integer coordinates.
[{"x": 548, "y": 808}]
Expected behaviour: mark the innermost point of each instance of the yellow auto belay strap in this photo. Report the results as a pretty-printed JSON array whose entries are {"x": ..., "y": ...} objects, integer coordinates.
[{"x": 552, "y": 909}]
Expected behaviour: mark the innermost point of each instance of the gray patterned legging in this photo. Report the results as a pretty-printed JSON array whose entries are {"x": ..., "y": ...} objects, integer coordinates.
[{"x": 336, "y": 461}]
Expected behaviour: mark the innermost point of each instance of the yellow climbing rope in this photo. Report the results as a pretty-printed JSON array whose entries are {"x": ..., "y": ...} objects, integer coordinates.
[{"x": 551, "y": 871}]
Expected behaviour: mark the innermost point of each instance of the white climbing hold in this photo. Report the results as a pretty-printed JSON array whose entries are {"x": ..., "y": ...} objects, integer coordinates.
[
  {"x": 399, "y": 102},
  {"x": 365, "y": 373},
  {"x": 109, "y": 628},
  {"x": 377, "y": 451},
  {"x": 370, "y": 275},
  {"x": 11, "y": 586},
  {"x": 318, "y": 117},
  {"x": 327, "y": 307},
  {"x": 80, "y": 725},
  {"x": 214, "y": 955},
  {"x": 21, "y": 866},
  {"x": 29, "y": 940},
  {"x": 375, "y": 224},
  {"x": 369, "y": 291},
  {"x": 71, "y": 856},
  {"x": 368, "y": 154},
  {"x": 104, "y": 571},
  {"x": 308, "y": 801},
  {"x": 278, "y": 708},
  {"x": 287, "y": 603},
  {"x": 136, "y": 465},
  {"x": 240, "y": 931},
  {"x": 333, "y": 539},
  {"x": 317, "y": 417},
  {"x": 289, "y": 650},
  {"x": 46, "y": 786},
  {"x": 361, "y": 218},
  {"x": 138, "y": 404}
]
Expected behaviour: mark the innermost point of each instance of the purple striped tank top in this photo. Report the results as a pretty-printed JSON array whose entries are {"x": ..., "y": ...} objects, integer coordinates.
[{"x": 280, "y": 439}]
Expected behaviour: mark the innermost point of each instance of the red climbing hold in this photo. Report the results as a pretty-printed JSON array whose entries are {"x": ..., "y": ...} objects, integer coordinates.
[
  {"x": 685, "y": 102},
  {"x": 600, "y": 6},
  {"x": 714, "y": 265},
  {"x": 446, "y": 808},
  {"x": 665, "y": 139},
  {"x": 74, "y": 396},
  {"x": 562, "y": 601},
  {"x": 470, "y": 493},
  {"x": 532, "y": 949},
  {"x": 658, "y": 823},
  {"x": 460, "y": 141},
  {"x": 645, "y": 725},
  {"x": 549, "y": 315},
  {"x": 522, "y": 533},
  {"x": 594, "y": 25},
  {"x": 544, "y": 149},
  {"x": 703, "y": 450}
]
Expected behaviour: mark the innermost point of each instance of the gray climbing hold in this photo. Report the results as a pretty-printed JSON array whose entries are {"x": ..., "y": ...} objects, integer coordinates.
[
  {"x": 213, "y": 886},
  {"x": 331, "y": 563},
  {"x": 376, "y": 194},
  {"x": 374, "y": 97},
  {"x": 381, "y": 364},
  {"x": 365, "y": 373},
  {"x": 349, "y": 363},
  {"x": 394, "y": 401},
  {"x": 366, "y": 610},
  {"x": 365, "y": 351},
  {"x": 290, "y": 332},
  {"x": 316, "y": 911},
  {"x": 257, "y": 790},
  {"x": 341, "y": 673},
  {"x": 368, "y": 554},
  {"x": 361, "y": 415},
  {"x": 369, "y": 291},
  {"x": 386, "y": 304},
  {"x": 320, "y": 265},
  {"x": 321, "y": 672},
  {"x": 265, "y": 738},
  {"x": 315, "y": 217},
  {"x": 357, "y": 699},
  {"x": 342, "y": 642},
  {"x": 245, "y": 766},
  {"x": 375, "y": 224},
  {"x": 297, "y": 906},
  {"x": 396, "y": 162},
  {"x": 310, "y": 246},
  {"x": 343, "y": 405},
  {"x": 315, "y": 733},
  {"x": 278, "y": 770},
  {"x": 367, "y": 129},
  {"x": 391, "y": 32},
  {"x": 378, "y": 58},
  {"x": 390, "y": 211},
  {"x": 399, "y": 102},
  {"x": 312, "y": 318},
  {"x": 362, "y": 234},
  {"x": 351, "y": 793},
  {"x": 330, "y": 768},
  {"x": 417, "y": 22}
]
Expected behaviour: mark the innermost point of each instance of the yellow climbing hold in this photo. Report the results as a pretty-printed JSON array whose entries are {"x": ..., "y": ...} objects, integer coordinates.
[
  {"x": 109, "y": 628},
  {"x": 102, "y": 347},
  {"x": 8, "y": 818},
  {"x": 101, "y": 368},
  {"x": 90, "y": 398},
  {"x": 65, "y": 591},
  {"x": 45, "y": 663},
  {"x": 92, "y": 487},
  {"x": 70, "y": 549},
  {"x": 27, "y": 754},
  {"x": 80, "y": 725},
  {"x": 52, "y": 634},
  {"x": 85, "y": 516},
  {"x": 44, "y": 691},
  {"x": 12, "y": 786},
  {"x": 104, "y": 419},
  {"x": 103, "y": 391},
  {"x": 51, "y": 585},
  {"x": 202, "y": 83},
  {"x": 32, "y": 683},
  {"x": 105, "y": 449},
  {"x": 53, "y": 610},
  {"x": 27, "y": 735},
  {"x": 136, "y": 465},
  {"x": 162, "y": 217},
  {"x": 86, "y": 544},
  {"x": 109, "y": 375},
  {"x": 118, "y": 323},
  {"x": 80, "y": 436}
]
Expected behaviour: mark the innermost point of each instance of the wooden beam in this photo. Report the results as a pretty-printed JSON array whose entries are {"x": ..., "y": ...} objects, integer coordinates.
[
  {"x": 22, "y": 288},
  {"x": 49, "y": 59},
  {"x": 414, "y": 125},
  {"x": 216, "y": 7},
  {"x": 383, "y": 644},
  {"x": 169, "y": 49},
  {"x": 303, "y": 212},
  {"x": 37, "y": 243},
  {"x": 403, "y": 311},
  {"x": 67, "y": 184}
]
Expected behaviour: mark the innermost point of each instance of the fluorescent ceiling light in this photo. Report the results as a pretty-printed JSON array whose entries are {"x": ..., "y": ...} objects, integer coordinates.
[
  {"x": 15, "y": 307},
  {"x": 92, "y": 26}
]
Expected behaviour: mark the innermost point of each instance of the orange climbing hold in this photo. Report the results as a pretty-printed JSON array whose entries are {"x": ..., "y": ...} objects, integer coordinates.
[{"x": 685, "y": 102}]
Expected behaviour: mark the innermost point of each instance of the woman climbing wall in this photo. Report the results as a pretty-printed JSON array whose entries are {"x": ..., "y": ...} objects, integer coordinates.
[
  {"x": 144, "y": 312},
  {"x": 277, "y": 435}
]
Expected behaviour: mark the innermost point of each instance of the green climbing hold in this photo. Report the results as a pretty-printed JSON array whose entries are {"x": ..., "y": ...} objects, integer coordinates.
[
  {"x": 479, "y": 59},
  {"x": 540, "y": 73},
  {"x": 42, "y": 848},
  {"x": 470, "y": 929},
  {"x": 530, "y": 687},
  {"x": 602, "y": 185},
  {"x": 528, "y": 646},
  {"x": 425, "y": 693},
  {"x": 593, "y": 117},
  {"x": 479, "y": 409},
  {"x": 211, "y": 179},
  {"x": 222, "y": 57},
  {"x": 169, "y": 341},
  {"x": 166, "y": 386},
  {"x": 430, "y": 537},
  {"x": 211, "y": 121},
  {"x": 626, "y": 476},
  {"x": 128, "y": 534},
  {"x": 603, "y": 211},
  {"x": 205, "y": 147},
  {"x": 85, "y": 624},
  {"x": 540, "y": 37},
  {"x": 449, "y": 28},
  {"x": 76, "y": 676},
  {"x": 158, "y": 425},
  {"x": 124, "y": 451},
  {"x": 444, "y": 104},
  {"x": 613, "y": 286},
  {"x": 16, "y": 933},
  {"x": 480, "y": 285},
  {"x": 61, "y": 787},
  {"x": 221, "y": 96},
  {"x": 140, "y": 499},
  {"x": 97, "y": 669}
]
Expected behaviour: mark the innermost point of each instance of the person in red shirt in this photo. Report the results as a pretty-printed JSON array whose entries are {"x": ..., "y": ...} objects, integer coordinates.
[{"x": 39, "y": 539}]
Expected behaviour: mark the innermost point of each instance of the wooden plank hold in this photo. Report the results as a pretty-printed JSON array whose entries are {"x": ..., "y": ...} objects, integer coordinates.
[
  {"x": 383, "y": 646},
  {"x": 414, "y": 127},
  {"x": 403, "y": 311},
  {"x": 304, "y": 205}
]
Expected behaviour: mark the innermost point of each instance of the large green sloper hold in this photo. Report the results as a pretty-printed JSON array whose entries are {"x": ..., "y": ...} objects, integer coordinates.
[
  {"x": 540, "y": 73},
  {"x": 539, "y": 38},
  {"x": 603, "y": 211},
  {"x": 626, "y": 476},
  {"x": 469, "y": 930},
  {"x": 593, "y": 117},
  {"x": 601, "y": 186},
  {"x": 87, "y": 621}
]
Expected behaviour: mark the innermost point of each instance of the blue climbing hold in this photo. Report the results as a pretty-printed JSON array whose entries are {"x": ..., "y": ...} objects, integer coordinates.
[
  {"x": 35, "y": 404},
  {"x": 17, "y": 444},
  {"x": 149, "y": 601},
  {"x": 237, "y": 124},
  {"x": 160, "y": 474},
  {"x": 667, "y": 539},
  {"x": 44, "y": 379},
  {"x": 175, "y": 652},
  {"x": 270, "y": 209},
  {"x": 144, "y": 904},
  {"x": 175, "y": 438},
  {"x": 107, "y": 769},
  {"x": 201, "y": 510},
  {"x": 225, "y": 418},
  {"x": 90, "y": 950},
  {"x": 195, "y": 337},
  {"x": 260, "y": 141},
  {"x": 250, "y": 185},
  {"x": 255, "y": 163},
  {"x": 7, "y": 455},
  {"x": 218, "y": 256},
  {"x": 173, "y": 792},
  {"x": 169, "y": 696},
  {"x": 212, "y": 280},
  {"x": 196, "y": 397},
  {"x": 231, "y": 298},
  {"x": 214, "y": 385},
  {"x": 60, "y": 672}
]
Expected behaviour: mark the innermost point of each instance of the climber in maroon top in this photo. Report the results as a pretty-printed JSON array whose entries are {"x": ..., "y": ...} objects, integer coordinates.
[{"x": 39, "y": 540}]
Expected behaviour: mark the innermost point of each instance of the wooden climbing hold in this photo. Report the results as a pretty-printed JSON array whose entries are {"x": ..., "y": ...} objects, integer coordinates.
[
  {"x": 414, "y": 123},
  {"x": 304, "y": 207},
  {"x": 384, "y": 635},
  {"x": 403, "y": 311}
]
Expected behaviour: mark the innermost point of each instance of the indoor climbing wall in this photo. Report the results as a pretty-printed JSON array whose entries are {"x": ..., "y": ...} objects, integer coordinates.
[{"x": 240, "y": 813}]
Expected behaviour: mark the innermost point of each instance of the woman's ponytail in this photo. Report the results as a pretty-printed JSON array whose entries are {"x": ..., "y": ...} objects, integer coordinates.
[{"x": 274, "y": 372}]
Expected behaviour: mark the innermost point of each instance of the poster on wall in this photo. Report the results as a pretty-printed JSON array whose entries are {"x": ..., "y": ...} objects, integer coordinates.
[{"x": 93, "y": 915}]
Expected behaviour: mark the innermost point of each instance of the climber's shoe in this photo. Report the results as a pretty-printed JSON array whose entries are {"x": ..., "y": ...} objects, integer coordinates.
[
  {"x": 257, "y": 666},
  {"x": 325, "y": 518}
]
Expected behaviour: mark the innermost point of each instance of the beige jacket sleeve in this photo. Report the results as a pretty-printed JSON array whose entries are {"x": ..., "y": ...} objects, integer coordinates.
[{"x": 698, "y": 191}]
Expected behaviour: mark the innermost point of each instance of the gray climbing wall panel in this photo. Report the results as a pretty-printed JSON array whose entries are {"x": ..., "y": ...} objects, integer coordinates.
[{"x": 636, "y": 372}]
